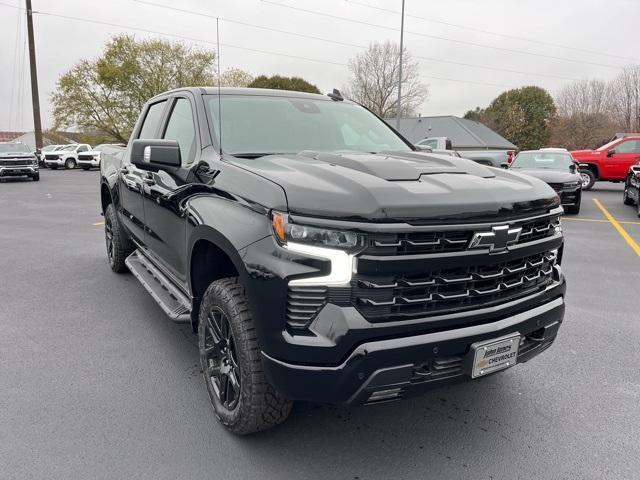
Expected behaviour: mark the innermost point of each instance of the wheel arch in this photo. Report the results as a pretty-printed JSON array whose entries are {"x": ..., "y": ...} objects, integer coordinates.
[
  {"x": 105, "y": 196},
  {"x": 212, "y": 257},
  {"x": 591, "y": 167}
]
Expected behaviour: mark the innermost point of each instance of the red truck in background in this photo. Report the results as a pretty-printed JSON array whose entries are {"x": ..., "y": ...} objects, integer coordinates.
[{"x": 610, "y": 162}]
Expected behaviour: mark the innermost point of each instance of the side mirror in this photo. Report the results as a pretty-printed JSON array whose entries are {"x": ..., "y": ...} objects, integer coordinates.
[
  {"x": 423, "y": 148},
  {"x": 611, "y": 153},
  {"x": 155, "y": 154},
  {"x": 448, "y": 144},
  {"x": 504, "y": 165},
  {"x": 573, "y": 168}
]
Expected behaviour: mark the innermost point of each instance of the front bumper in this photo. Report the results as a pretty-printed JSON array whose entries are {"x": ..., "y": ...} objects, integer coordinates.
[
  {"x": 570, "y": 197},
  {"x": 389, "y": 369},
  {"x": 18, "y": 170},
  {"x": 59, "y": 162},
  {"x": 88, "y": 163}
]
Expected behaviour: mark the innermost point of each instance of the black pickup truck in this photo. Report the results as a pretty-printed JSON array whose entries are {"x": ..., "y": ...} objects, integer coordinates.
[{"x": 319, "y": 256}]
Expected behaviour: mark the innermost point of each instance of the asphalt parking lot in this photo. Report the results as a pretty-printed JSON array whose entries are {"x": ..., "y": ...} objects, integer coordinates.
[{"x": 96, "y": 382}]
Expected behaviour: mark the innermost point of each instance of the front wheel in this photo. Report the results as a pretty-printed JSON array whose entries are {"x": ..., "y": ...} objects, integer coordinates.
[
  {"x": 36, "y": 177},
  {"x": 70, "y": 164},
  {"x": 240, "y": 394},
  {"x": 588, "y": 179},
  {"x": 626, "y": 199}
]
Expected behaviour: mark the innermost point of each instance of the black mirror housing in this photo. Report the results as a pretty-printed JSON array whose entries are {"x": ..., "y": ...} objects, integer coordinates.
[
  {"x": 152, "y": 154},
  {"x": 610, "y": 153},
  {"x": 504, "y": 165},
  {"x": 573, "y": 168}
]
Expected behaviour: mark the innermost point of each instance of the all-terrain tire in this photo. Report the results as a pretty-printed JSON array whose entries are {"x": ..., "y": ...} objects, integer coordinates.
[
  {"x": 258, "y": 405},
  {"x": 119, "y": 246}
]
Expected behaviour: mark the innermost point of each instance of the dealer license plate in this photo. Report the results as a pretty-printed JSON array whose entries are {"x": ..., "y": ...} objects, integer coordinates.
[{"x": 494, "y": 355}]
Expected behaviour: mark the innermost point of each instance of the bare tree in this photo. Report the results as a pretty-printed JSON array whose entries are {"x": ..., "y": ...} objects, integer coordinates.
[
  {"x": 581, "y": 130},
  {"x": 374, "y": 80},
  {"x": 625, "y": 98},
  {"x": 584, "y": 97}
]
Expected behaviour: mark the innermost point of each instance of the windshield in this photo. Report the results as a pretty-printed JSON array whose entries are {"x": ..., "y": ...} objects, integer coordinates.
[
  {"x": 253, "y": 126},
  {"x": 68, "y": 148},
  {"x": 607, "y": 146},
  {"x": 48, "y": 148},
  {"x": 546, "y": 160},
  {"x": 13, "y": 148}
]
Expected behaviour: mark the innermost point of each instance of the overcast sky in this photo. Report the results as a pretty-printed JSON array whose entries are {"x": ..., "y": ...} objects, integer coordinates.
[{"x": 603, "y": 37}]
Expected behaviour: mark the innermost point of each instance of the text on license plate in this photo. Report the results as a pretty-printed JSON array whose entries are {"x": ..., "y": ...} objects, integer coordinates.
[{"x": 494, "y": 355}]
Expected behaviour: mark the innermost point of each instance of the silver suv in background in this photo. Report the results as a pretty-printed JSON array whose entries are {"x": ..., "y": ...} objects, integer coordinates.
[
  {"x": 87, "y": 160},
  {"x": 491, "y": 158},
  {"x": 17, "y": 160}
]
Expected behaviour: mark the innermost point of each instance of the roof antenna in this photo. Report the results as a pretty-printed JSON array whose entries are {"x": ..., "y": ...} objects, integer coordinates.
[
  {"x": 219, "y": 101},
  {"x": 335, "y": 95}
]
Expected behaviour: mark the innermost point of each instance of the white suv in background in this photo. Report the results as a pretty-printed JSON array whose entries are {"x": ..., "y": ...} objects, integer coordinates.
[
  {"x": 89, "y": 159},
  {"x": 66, "y": 157}
]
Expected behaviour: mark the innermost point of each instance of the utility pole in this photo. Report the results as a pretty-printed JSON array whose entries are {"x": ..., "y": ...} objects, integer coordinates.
[
  {"x": 35, "y": 98},
  {"x": 399, "y": 104}
]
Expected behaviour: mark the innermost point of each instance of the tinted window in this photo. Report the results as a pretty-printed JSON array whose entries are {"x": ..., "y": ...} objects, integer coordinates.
[
  {"x": 631, "y": 146},
  {"x": 152, "y": 120},
  {"x": 83, "y": 148},
  {"x": 545, "y": 160},
  {"x": 180, "y": 128},
  {"x": 258, "y": 125},
  {"x": 14, "y": 148}
]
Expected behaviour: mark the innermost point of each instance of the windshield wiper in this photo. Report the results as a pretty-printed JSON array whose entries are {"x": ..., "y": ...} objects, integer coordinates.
[{"x": 257, "y": 155}]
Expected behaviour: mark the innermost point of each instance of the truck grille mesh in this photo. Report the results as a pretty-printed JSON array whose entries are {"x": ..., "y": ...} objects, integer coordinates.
[
  {"x": 415, "y": 243},
  {"x": 452, "y": 289}
]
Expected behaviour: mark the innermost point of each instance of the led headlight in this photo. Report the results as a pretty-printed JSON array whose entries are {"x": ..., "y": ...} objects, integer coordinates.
[
  {"x": 571, "y": 184},
  {"x": 287, "y": 232},
  {"x": 336, "y": 246}
]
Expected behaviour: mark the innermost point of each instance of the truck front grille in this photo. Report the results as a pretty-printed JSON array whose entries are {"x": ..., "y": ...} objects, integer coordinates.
[
  {"x": 12, "y": 163},
  {"x": 381, "y": 299},
  {"x": 446, "y": 241}
]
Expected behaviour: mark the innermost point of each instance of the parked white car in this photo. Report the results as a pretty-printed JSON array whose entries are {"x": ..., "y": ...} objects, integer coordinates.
[
  {"x": 89, "y": 159},
  {"x": 66, "y": 157}
]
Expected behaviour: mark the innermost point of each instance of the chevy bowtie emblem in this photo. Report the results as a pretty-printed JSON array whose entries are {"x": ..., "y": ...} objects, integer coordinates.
[{"x": 497, "y": 240}]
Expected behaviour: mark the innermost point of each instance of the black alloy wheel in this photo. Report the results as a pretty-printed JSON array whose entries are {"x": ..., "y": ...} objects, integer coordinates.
[{"x": 219, "y": 359}]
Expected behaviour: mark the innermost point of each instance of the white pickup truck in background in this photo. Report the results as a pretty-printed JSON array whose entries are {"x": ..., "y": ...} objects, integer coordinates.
[{"x": 492, "y": 158}]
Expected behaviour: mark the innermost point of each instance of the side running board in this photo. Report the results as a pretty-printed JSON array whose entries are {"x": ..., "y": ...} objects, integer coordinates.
[{"x": 174, "y": 303}]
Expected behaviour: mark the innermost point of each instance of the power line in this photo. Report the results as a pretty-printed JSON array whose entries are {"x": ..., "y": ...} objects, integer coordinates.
[
  {"x": 228, "y": 45},
  {"x": 328, "y": 40},
  {"x": 191, "y": 39},
  {"x": 238, "y": 22},
  {"x": 425, "y": 35},
  {"x": 488, "y": 32},
  {"x": 14, "y": 70}
]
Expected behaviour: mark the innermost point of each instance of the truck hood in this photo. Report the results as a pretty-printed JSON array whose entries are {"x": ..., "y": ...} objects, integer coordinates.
[
  {"x": 17, "y": 155},
  {"x": 549, "y": 176},
  {"x": 585, "y": 154},
  {"x": 409, "y": 186}
]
